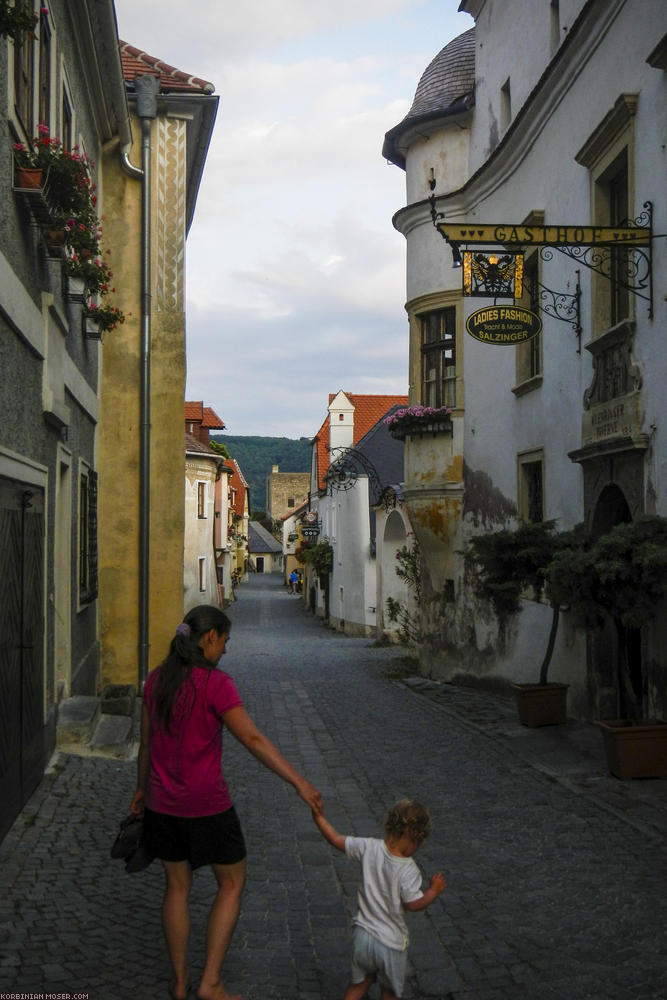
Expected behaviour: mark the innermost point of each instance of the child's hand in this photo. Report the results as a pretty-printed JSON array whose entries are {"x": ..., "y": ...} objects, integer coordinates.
[{"x": 438, "y": 883}]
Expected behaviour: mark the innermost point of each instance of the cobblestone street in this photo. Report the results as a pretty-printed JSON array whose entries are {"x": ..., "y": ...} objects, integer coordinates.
[{"x": 555, "y": 871}]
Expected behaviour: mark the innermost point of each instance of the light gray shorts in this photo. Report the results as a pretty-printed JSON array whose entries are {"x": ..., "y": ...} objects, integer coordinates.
[{"x": 370, "y": 955}]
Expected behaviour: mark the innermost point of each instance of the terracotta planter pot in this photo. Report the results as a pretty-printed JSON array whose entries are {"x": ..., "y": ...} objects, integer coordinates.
[
  {"x": 635, "y": 749},
  {"x": 28, "y": 178},
  {"x": 541, "y": 704}
]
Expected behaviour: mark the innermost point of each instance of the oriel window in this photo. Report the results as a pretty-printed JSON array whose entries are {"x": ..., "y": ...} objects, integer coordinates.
[{"x": 438, "y": 346}]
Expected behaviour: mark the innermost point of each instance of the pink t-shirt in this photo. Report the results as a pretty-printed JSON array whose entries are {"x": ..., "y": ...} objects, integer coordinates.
[{"x": 186, "y": 776}]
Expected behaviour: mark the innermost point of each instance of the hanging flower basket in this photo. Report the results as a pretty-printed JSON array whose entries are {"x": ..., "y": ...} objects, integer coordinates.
[{"x": 416, "y": 421}]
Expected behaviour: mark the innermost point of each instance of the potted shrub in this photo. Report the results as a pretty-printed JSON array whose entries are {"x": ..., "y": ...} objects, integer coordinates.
[
  {"x": 509, "y": 563},
  {"x": 623, "y": 575}
]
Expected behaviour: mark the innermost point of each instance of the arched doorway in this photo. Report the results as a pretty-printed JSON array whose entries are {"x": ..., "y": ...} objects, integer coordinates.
[
  {"x": 616, "y": 669},
  {"x": 393, "y": 588}
]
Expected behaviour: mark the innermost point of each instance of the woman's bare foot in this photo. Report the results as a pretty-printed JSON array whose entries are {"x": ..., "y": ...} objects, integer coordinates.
[
  {"x": 215, "y": 991},
  {"x": 179, "y": 988}
]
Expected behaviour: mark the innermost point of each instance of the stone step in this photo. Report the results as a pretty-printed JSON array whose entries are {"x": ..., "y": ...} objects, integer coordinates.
[{"x": 106, "y": 726}]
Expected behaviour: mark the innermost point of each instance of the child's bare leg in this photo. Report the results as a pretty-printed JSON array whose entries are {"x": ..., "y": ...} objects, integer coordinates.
[
  {"x": 387, "y": 994},
  {"x": 356, "y": 991}
]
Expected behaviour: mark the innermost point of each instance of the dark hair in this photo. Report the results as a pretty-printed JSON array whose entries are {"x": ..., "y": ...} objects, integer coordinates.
[
  {"x": 185, "y": 653},
  {"x": 408, "y": 816}
]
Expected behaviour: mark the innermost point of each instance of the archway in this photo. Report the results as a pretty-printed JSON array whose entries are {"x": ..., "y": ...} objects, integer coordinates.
[
  {"x": 616, "y": 669},
  {"x": 393, "y": 588}
]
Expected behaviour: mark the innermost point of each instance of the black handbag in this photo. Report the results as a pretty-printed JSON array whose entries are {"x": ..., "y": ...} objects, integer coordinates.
[{"x": 130, "y": 845}]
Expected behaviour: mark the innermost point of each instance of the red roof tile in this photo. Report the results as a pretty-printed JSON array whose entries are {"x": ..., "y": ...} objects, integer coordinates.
[
  {"x": 212, "y": 420},
  {"x": 137, "y": 63},
  {"x": 194, "y": 411},
  {"x": 367, "y": 411}
]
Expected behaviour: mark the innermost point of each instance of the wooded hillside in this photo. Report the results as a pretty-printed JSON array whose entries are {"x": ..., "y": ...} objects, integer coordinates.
[{"x": 257, "y": 455}]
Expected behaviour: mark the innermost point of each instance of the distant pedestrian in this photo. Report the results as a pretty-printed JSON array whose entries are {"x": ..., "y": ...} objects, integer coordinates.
[
  {"x": 292, "y": 582},
  {"x": 391, "y": 883},
  {"x": 189, "y": 819}
]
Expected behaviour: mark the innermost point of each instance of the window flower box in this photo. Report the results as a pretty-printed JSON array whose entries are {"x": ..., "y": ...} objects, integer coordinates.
[
  {"x": 75, "y": 288},
  {"x": 91, "y": 328},
  {"x": 417, "y": 421}
]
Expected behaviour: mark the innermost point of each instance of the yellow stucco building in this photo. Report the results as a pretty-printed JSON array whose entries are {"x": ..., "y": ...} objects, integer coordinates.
[{"x": 149, "y": 200}]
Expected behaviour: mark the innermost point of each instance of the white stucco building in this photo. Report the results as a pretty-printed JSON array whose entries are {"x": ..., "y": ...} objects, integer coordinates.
[
  {"x": 354, "y": 461},
  {"x": 544, "y": 113}
]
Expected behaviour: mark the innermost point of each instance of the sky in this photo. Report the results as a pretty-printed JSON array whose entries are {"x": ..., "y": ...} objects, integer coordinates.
[{"x": 295, "y": 276}]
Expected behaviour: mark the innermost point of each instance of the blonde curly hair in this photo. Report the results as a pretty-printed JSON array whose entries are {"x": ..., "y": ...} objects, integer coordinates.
[{"x": 408, "y": 816}]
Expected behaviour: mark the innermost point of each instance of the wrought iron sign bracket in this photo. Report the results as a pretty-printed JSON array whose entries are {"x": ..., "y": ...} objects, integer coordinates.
[
  {"x": 346, "y": 468},
  {"x": 621, "y": 254},
  {"x": 563, "y": 306},
  {"x": 629, "y": 267}
]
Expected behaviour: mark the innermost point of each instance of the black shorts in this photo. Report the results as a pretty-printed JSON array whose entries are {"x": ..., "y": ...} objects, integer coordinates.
[{"x": 201, "y": 840}]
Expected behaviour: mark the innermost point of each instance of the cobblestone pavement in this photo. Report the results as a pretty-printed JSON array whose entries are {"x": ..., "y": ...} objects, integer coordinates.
[{"x": 555, "y": 872}]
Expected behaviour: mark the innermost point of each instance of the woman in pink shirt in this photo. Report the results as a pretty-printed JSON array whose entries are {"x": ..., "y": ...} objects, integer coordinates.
[{"x": 189, "y": 819}]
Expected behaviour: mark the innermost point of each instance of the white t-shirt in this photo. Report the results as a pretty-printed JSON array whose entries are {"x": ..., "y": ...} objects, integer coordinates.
[{"x": 387, "y": 882}]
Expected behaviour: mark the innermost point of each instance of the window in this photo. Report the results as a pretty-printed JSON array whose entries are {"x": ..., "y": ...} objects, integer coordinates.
[
  {"x": 23, "y": 76},
  {"x": 531, "y": 487},
  {"x": 88, "y": 582},
  {"x": 616, "y": 195},
  {"x": 66, "y": 127},
  {"x": 555, "y": 25},
  {"x": 201, "y": 499},
  {"x": 529, "y": 355},
  {"x": 608, "y": 154},
  {"x": 44, "y": 68},
  {"x": 505, "y": 104},
  {"x": 290, "y": 502},
  {"x": 202, "y": 573},
  {"x": 438, "y": 349}
]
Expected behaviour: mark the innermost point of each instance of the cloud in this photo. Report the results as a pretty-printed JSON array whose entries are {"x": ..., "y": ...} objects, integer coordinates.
[{"x": 295, "y": 277}]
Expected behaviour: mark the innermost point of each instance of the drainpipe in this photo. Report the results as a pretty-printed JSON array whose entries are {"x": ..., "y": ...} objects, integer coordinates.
[{"x": 146, "y": 89}]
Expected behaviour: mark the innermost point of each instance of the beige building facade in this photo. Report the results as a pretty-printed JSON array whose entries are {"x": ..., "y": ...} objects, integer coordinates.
[{"x": 169, "y": 145}]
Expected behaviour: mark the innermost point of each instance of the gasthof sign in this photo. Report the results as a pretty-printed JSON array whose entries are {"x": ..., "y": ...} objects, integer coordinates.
[{"x": 505, "y": 325}]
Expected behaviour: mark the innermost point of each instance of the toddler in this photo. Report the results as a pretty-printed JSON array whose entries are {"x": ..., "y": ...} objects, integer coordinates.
[{"x": 391, "y": 883}]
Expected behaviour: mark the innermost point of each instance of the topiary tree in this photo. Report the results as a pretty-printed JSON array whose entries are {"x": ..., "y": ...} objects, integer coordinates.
[
  {"x": 507, "y": 563},
  {"x": 622, "y": 574}
]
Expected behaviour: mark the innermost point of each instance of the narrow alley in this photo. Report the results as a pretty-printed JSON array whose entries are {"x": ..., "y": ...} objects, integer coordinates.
[{"x": 550, "y": 894}]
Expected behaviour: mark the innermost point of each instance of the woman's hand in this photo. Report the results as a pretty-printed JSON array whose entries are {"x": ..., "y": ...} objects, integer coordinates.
[
  {"x": 137, "y": 803},
  {"x": 310, "y": 795}
]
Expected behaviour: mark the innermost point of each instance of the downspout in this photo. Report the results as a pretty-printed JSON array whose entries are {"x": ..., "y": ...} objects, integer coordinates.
[{"x": 146, "y": 89}]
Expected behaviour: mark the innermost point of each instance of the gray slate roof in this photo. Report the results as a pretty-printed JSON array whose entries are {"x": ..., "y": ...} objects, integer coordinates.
[
  {"x": 447, "y": 87},
  {"x": 261, "y": 540}
]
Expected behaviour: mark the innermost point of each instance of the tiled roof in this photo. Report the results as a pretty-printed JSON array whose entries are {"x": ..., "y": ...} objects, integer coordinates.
[
  {"x": 194, "y": 411},
  {"x": 212, "y": 420},
  {"x": 192, "y": 444},
  {"x": 367, "y": 411},
  {"x": 137, "y": 63},
  {"x": 447, "y": 87},
  {"x": 197, "y": 413},
  {"x": 237, "y": 482},
  {"x": 261, "y": 540}
]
